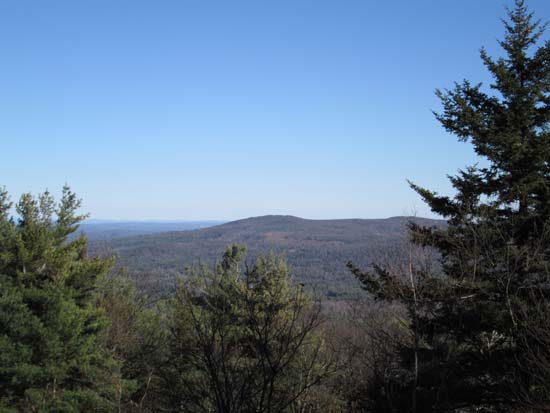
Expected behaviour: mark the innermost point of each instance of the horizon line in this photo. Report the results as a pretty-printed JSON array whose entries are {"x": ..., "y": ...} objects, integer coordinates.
[{"x": 178, "y": 221}]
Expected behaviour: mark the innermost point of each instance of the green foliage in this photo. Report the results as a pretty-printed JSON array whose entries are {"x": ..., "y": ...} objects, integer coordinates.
[
  {"x": 468, "y": 343},
  {"x": 50, "y": 324},
  {"x": 136, "y": 337},
  {"x": 74, "y": 339},
  {"x": 241, "y": 343}
]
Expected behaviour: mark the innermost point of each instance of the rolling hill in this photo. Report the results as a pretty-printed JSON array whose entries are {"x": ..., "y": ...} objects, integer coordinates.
[{"x": 316, "y": 250}]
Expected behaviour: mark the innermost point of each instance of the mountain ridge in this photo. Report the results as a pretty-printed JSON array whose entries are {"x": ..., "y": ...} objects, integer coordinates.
[{"x": 316, "y": 250}]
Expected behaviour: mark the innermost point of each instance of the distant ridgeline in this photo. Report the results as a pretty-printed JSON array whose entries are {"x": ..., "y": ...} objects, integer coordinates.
[
  {"x": 106, "y": 230},
  {"x": 316, "y": 250}
]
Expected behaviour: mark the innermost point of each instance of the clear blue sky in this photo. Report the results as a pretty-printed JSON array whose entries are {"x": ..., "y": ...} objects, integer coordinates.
[{"x": 222, "y": 110}]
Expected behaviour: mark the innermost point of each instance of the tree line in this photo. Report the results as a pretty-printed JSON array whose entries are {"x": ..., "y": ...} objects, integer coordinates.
[
  {"x": 74, "y": 339},
  {"x": 460, "y": 325}
]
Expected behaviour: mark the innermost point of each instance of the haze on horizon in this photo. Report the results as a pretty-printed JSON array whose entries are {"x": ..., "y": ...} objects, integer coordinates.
[{"x": 220, "y": 111}]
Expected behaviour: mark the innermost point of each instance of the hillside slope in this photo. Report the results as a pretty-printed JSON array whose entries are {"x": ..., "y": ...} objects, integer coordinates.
[{"x": 316, "y": 250}]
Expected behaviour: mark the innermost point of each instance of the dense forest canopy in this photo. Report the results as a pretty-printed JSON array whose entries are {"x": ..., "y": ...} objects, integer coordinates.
[{"x": 316, "y": 251}]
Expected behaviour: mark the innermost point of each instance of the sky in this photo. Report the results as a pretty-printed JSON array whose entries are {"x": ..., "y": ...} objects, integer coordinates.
[{"x": 198, "y": 109}]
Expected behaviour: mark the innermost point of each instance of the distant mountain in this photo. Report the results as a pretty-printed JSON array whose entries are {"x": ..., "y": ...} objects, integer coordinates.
[
  {"x": 316, "y": 250},
  {"x": 104, "y": 230}
]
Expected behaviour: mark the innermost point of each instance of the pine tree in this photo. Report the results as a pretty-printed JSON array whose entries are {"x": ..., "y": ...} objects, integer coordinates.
[
  {"x": 468, "y": 326},
  {"x": 242, "y": 342},
  {"x": 50, "y": 325},
  {"x": 136, "y": 337}
]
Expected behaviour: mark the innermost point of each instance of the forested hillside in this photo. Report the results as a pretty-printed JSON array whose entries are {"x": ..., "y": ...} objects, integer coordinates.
[{"x": 316, "y": 250}]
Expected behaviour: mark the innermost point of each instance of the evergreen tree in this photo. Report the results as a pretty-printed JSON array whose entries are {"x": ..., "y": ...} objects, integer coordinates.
[
  {"x": 242, "y": 343},
  {"x": 468, "y": 327},
  {"x": 50, "y": 325},
  {"x": 136, "y": 337}
]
